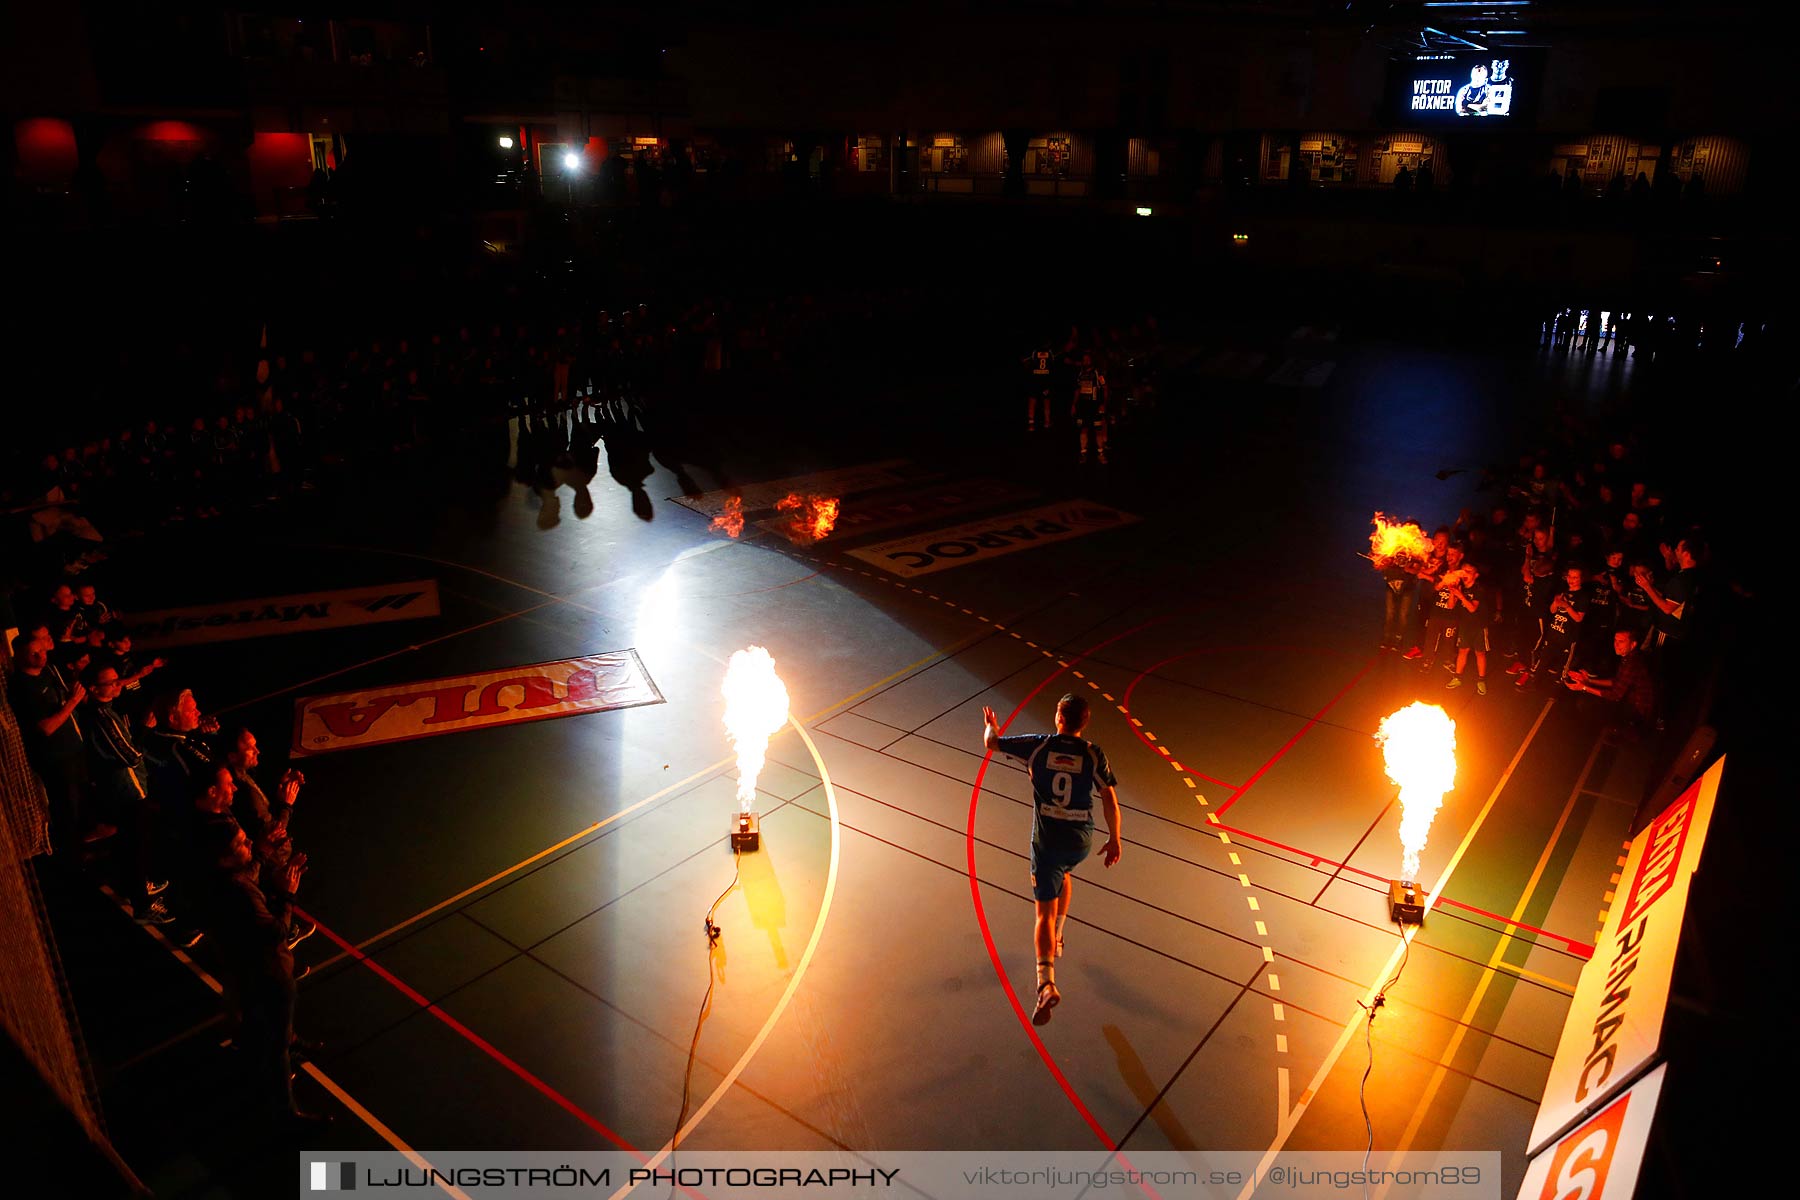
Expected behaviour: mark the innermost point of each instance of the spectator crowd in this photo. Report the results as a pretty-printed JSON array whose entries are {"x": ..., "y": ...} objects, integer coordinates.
[
  {"x": 169, "y": 811},
  {"x": 1583, "y": 578},
  {"x": 312, "y": 410}
]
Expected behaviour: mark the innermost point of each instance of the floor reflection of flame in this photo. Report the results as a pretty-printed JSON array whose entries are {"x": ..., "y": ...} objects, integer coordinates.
[{"x": 764, "y": 898}]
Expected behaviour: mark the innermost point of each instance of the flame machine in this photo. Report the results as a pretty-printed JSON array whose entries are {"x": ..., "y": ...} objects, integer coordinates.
[{"x": 1418, "y": 747}]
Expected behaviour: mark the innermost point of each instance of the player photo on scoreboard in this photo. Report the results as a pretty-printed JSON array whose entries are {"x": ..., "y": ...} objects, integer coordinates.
[
  {"x": 1488, "y": 92},
  {"x": 1456, "y": 88}
]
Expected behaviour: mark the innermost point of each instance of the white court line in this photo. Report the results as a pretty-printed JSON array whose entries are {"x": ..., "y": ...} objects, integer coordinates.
[
  {"x": 1292, "y": 1119},
  {"x": 375, "y": 1123},
  {"x": 793, "y": 985}
]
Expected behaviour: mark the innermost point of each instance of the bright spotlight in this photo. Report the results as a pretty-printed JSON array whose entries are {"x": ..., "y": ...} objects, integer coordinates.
[
  {"x": 506, "y": 143},
  {"x": 572, "y": 161},
  {"x": 1143, "y": 212}
]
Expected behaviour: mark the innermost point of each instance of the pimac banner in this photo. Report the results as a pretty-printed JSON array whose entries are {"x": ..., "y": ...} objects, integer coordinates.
[
  {"x": 1600, "y": 1158},
  {"x": 404, "y": 712},
  {"x": 1615, "y": 1024},
  {"x": 300, "y": 613}
]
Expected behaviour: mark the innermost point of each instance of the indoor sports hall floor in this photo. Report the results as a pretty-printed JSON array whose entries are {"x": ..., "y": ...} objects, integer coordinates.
[{"x": 511, "y": 951}]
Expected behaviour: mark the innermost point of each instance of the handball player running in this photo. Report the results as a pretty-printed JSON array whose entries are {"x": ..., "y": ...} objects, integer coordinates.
[{"x": 1068, "y": 774}]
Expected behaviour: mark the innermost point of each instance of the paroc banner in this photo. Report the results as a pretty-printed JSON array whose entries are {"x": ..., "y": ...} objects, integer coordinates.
[
  {"x": 926, "y": 553},
  {"x": 403, "y": 712},
  {"x": 233, "y": 619},
  {"x": 1600, "y": 1158},
  {"x": 1615, "y": 1024}
]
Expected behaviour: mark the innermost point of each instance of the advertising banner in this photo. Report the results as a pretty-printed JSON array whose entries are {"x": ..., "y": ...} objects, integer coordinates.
[
  {"x": 1007, "y": 533},
  {"x": 1615, "y": 1024},
  {"x": 402, "y": 712},
  {"x": 1600, "y": 1158},
  {"x": 300, "y": 613}
]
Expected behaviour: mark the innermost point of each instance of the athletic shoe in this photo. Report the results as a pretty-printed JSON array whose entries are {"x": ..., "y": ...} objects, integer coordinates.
[
  {"x": 1517, "y": 668},
  {"x": 1415, "y": 652},
  {"x": 1455, "y": 682},
  {"x": 1523, "y": 681},
  {"x": 1481, "y": 687},
  {"x": 1047, "y": 998},
  {"x": 153, "y": 913},
  {"x": 156, "y": 889},
  {"x": 301, "y": 932}
]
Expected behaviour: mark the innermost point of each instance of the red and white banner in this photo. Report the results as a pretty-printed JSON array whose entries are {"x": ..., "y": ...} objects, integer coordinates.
[
  {"x": 233, "y": 619},
  {"x": 925, "y": 553},
  {"x": 405, "y": 711},
  {"x": 1600, "y": 1158},
  {"x": 1615, "y": 1023}
]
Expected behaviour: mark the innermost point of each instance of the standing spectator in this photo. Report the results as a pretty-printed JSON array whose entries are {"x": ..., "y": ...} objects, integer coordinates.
[
  {"x": 64, "y": 615},
  {"x": 1557, "y": 648},
  {"x": 1424, "y": 591},
  {"x": 248, "y": 922},
  {"x": 46, "y": 701},
  {"x": 174, "y": 745},
  {"x": 1473, "y": 597},
  {"x": 1445, "y": 609},
  {"x": 1604, "y": 588},
  {"x": 94, "y": 612},
  {"x": 1670, "y": 617},
  {"x": 265, "y": 820},
  {"x": 118, "y": 771},
  {"x": 1537, "y": 572},
  {"x": 1397, "y": 605}
]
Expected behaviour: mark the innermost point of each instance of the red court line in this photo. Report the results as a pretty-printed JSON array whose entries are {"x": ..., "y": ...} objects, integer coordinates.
[
  {"x": 1578, "y": 948},
  {"x": 1153, "y": 668},
  {"x": 1304, "y": 730},
  {"x": 480, "y": 1043},
  {"x": 987, "y": 933}
]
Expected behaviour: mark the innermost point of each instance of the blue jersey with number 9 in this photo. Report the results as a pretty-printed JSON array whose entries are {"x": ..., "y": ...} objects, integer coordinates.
[{"x": 1066, "y": 773}]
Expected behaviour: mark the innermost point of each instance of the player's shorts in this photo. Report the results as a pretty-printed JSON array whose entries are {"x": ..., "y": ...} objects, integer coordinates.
[
  {"x": 1050, "y": 862},
  {"x": 1472, "y": 636}
]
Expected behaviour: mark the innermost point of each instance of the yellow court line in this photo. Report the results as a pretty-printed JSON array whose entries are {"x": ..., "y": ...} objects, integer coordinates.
[
  {"x": 1441, "y": 1070},
  {"x": 1292, "y": 1120},
  {"x": 373, "y": 1122},
  {"x": 369, "y": 662},
  {"x": 793, "y": 985},
  {"x": 526, "y": 862},
  {"x": 1555, "y": 985},
  {"x": 708, "y": 770}
]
